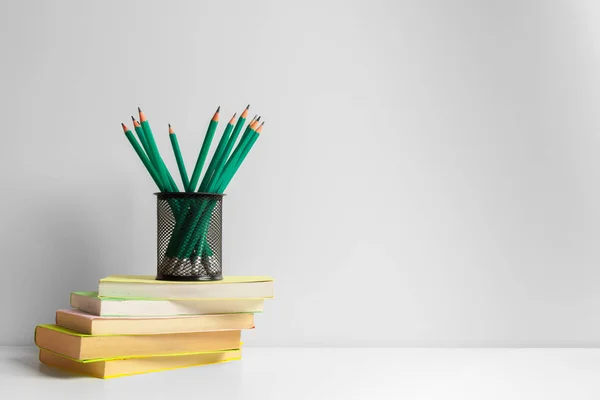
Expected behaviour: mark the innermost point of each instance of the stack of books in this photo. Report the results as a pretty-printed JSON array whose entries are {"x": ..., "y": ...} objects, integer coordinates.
[{"x": 136, "y": 324}]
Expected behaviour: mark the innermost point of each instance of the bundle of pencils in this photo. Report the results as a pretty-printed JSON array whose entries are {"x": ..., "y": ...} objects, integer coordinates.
[{"x": 188, "y": 240}]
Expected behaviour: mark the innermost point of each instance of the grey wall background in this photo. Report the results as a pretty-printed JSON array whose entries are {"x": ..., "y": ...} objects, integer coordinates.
[{"x": 428, "y": 174}]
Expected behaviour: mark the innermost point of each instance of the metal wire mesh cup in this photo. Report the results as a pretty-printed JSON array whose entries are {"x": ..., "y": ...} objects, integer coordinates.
[{"x": 189, "y": 232}]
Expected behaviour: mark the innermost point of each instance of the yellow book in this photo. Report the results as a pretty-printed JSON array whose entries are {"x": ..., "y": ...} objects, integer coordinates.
[
  {"x": 113, "y": 368},
  {"x": 146, "y": 286},
  {"x": 80, "y": 346}
]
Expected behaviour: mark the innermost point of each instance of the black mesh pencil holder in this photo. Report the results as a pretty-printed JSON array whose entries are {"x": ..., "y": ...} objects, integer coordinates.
[{"x": 189, "y": 232}]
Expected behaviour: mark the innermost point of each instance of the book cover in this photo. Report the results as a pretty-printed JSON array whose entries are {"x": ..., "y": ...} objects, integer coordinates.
[
  {"x": 145, "y": 286},
  {"x": 83, "y": 322},
  {"x": 91, "y": 303},
  {"x": 83, "y": 346},
  {"x": 113, "y": 368}
]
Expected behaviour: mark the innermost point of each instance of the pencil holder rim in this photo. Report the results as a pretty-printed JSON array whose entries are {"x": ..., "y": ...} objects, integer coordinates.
[
  {"x": 189, "y": 278},
  {"x": 175, "y": 195}
]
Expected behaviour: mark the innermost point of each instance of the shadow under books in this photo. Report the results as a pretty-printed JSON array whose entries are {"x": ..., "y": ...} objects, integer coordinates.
[{"x": 31, "y": 363}]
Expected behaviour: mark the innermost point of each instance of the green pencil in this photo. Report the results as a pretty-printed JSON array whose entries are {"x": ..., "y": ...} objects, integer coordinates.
[
  {"x": 178, "y": 157},
  {"x": 217, "y": 155},
  {"x": 205, "y": 250},
  {"x": 222, "y": 162},
  {"x": 231, "y": 169},
  {"x": 230, "y": 143},
  {"x": 212, "y": 127},
  {"x": 140, "y": 152},
  {"x": 219, "y": 175},
  {"x": 187, "y": 218},
  {"x": 142, "y": 137},
  {"x": 197, "y": 237},
  {"x": 159, "y": 164}
]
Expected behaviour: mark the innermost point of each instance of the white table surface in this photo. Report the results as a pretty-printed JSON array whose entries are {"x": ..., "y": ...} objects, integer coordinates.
[{"x": 329, "y": 373}]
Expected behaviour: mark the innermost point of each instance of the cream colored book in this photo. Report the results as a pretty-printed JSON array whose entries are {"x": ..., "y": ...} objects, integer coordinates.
[
  {"x": 122, "y": 307},
  {"x": 146, "y": 286},
  {"x": 80, "y": 321},
  {"x": 113, "y": 368},
  {"x": 80, "y": 346}
]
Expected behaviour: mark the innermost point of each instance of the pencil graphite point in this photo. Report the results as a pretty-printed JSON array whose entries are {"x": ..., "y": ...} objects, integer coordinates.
[
  {"x": 248, "y": 106},
  {"x": 171, "y": 131},
  {"x": 258, "y": 119},
  {"x": 216, "y": 116},
  {"x": 125, "y": 129}
]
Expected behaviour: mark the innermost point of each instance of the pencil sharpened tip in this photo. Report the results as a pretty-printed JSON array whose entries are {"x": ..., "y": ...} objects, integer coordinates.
[
  {"x": 258, "y": 119},
  {"x": 142, "y": 116},
  {"x": 259, "y": 129},
  {"x": 215, "y": 117},
  {"x": 248, "y": 107}
]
